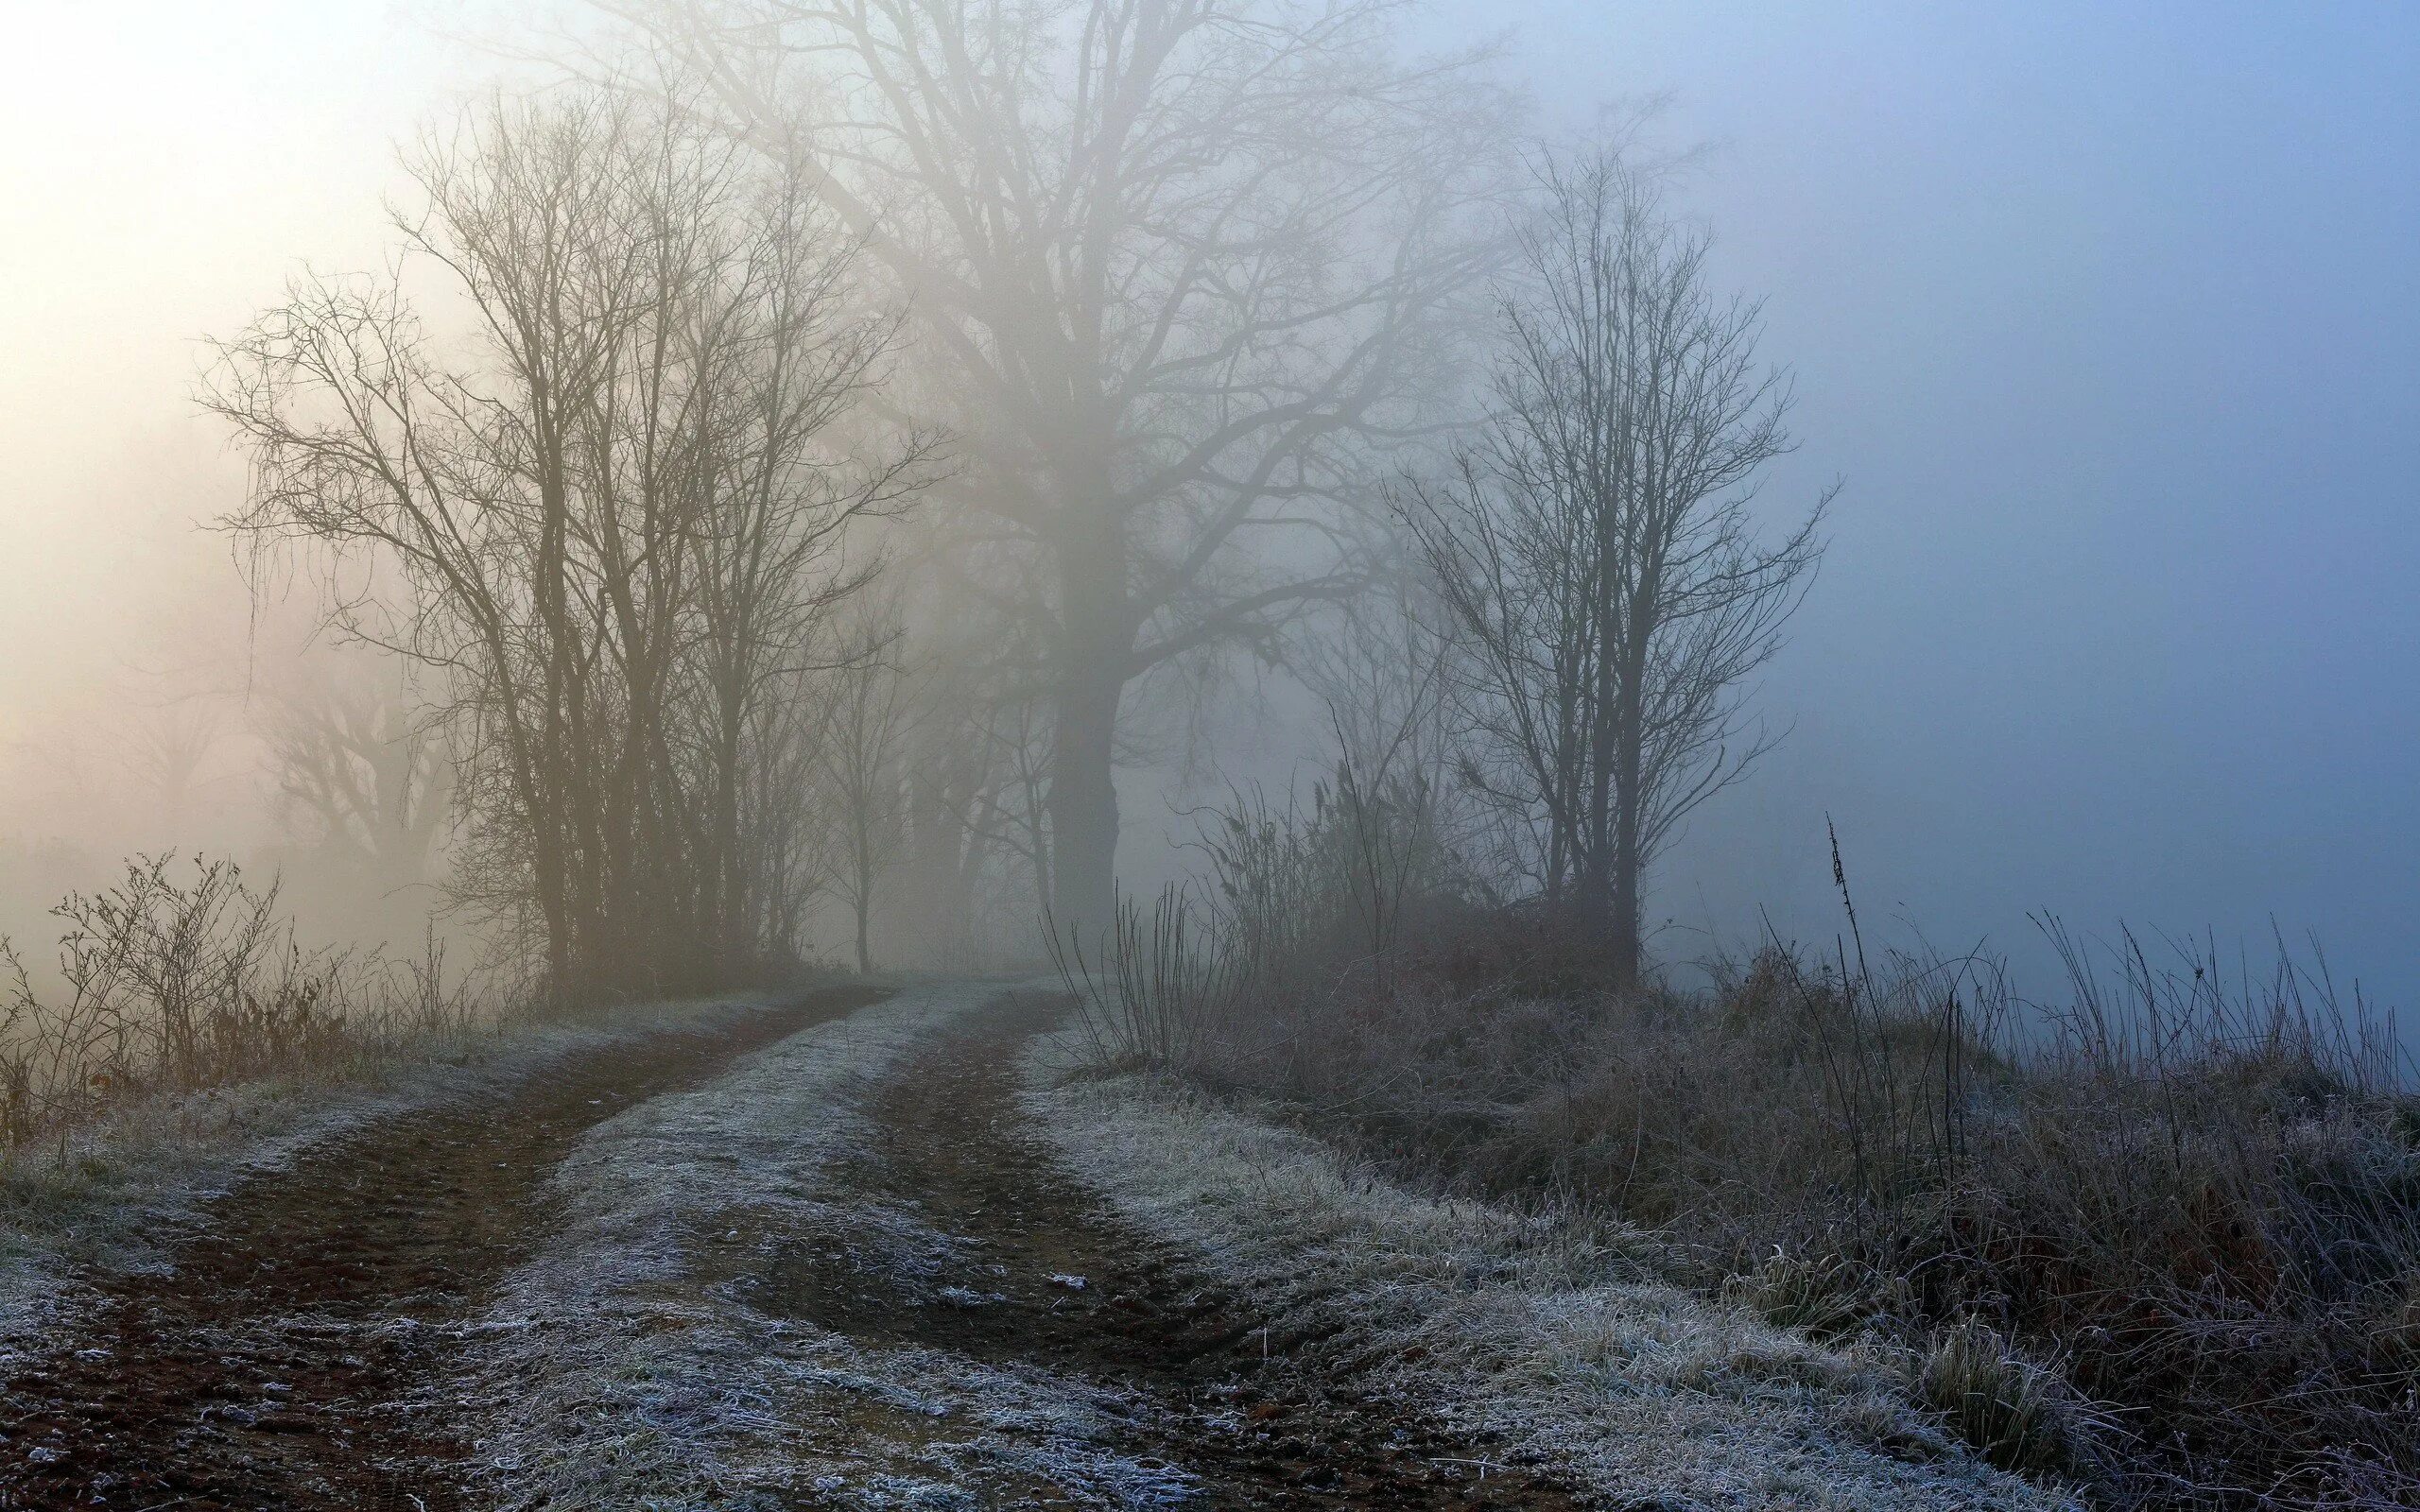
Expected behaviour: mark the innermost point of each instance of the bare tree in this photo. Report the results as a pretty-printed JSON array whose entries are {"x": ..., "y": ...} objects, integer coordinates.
[
  {"x": 169, "y": 752},
  {"x": 1174, "y": 264},
  {"x": 862, "y": 765},
  {"x": 784, "y": 814},
  {"x": 610, "y": 520},
  {"x": 1597, "y": 547}
]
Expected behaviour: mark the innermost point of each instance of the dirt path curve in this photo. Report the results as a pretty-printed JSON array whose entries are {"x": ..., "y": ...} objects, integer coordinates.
[
  {"x": 297, "y": 1355},
  {"x": 1245, "y": 1416}
]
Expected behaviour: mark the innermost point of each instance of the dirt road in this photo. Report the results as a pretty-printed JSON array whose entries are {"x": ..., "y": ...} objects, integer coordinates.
[
  {"x": 303, "y": 1354},
  {"x": 295, "y": 1356},
  {"x": 1036, "y": 1273}
]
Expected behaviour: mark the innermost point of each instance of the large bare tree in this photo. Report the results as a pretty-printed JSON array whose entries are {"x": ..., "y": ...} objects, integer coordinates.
[
  {"x": 1176, "y": 267},
  {"x": 1598, "y": 544},
  {"x": 611, "y": 516}
]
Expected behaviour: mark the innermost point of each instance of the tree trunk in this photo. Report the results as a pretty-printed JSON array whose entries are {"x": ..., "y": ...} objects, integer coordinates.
[
  {"x": 938, "y": 870},
  {"x": 554, "y": 908},
  {"x": 864, "y": 890},
  {"x": 737, "y": 922},
  {"x": 1083, "y": 801},
  {"x": 1092, "y": 673},
  {"x": 1622, "y": 942}
]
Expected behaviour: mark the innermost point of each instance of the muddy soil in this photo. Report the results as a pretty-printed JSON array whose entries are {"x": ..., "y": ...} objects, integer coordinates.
[
  {"x": 298, "y": 1355},
  {"x": 1035, "y": 1270}
]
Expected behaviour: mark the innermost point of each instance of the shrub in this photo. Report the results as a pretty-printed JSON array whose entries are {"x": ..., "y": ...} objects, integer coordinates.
[
  {"x": 179, "y": 979},
  {"x": 1148, "y": 993}
]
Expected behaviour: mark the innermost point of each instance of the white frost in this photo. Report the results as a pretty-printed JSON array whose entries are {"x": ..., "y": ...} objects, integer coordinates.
[
  {"x": 642, "y": 1382},
  {"x": 1561, "y": 1343},
  {"x": 102, "y": 1203}
]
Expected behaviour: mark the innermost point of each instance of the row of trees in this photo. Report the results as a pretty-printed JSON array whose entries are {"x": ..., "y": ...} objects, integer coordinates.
[{"x": 1161, "y": 313}]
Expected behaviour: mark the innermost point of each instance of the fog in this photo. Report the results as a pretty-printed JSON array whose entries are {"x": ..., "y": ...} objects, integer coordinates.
[{"x": 2103, "y": 315}]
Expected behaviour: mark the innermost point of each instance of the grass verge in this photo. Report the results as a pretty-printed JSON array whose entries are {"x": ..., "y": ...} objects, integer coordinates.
[{"x": 1555, "y": 1336}]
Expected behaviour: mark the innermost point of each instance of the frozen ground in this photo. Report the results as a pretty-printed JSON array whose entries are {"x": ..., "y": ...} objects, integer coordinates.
[
  {"x": 636, "y": 1371},
  {"x": 297, "y": 1341},
  {"x": 843, "y": 1275},
  {"x": 841, "y": 1254},
  {"x": 1560, "y": 1342},
  {"x": 103, "y": 1202}
]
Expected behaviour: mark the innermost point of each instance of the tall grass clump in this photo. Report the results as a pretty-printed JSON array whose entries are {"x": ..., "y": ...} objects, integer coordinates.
[
  {"x": 1304, "y": 902},
  {"x": 1148, "y": 993},
  {"x": 183, "y": 977}
]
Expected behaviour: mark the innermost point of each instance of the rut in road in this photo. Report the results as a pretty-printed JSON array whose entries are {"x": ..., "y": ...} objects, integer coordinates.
[
  {"x": 299, "y": 1354},
  {"x": 1249, "y": 1420}
]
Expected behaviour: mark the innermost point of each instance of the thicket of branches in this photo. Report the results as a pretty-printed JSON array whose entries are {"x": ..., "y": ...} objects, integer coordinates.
[
  {"x": 609, "y": 452},
  {"x": 1184, "y": 283},
  {"x": 609, "y": 516},
  {"x": 182, "y": 975}
]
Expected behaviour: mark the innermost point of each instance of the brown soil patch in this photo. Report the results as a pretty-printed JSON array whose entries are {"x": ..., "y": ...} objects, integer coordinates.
[{"x": 298, "y": 1355}]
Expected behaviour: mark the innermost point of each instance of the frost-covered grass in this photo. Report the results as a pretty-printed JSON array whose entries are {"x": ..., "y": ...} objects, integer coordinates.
[
  {"x": 631, "y": 1371},
  {"x": 102, "y": 1198},
  {"x": 1559, "y": 1339}
]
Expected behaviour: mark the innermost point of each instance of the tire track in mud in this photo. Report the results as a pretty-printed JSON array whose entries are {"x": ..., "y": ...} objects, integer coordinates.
[
  {"x": 298, "y": 1354},
  {"x": 1036, "y": 1272}
]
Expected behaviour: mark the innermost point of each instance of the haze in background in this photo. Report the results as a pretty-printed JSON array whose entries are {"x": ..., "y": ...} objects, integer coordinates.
[
  {"x": 2106, "y": 315},
  {"x": 168, "y": 167}
]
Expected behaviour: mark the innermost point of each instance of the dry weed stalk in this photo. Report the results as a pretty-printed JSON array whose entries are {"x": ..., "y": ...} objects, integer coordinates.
[{"x": 179, "y": 979}]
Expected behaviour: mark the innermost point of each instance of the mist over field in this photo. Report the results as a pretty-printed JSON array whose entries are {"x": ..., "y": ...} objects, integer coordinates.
[{"x": 1313, "y": 755}]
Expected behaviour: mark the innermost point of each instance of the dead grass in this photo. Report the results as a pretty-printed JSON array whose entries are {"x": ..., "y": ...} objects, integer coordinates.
[
  {"x": 2187, "y": 1281},
  {"x": 183, "y": 977},
  {"x": 2160, "y": 1235}
]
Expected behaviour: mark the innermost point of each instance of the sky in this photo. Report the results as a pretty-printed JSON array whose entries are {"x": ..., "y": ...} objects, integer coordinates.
[{"x": 2104, "y": 314}]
